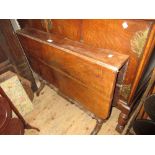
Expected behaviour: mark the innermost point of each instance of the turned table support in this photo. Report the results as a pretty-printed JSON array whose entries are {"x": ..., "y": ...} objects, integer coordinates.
[
  {"x": 123, "y": 116},
  {"x": 122, "y": 121}
]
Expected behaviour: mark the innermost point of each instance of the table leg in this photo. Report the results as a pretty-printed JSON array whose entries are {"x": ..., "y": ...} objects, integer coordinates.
[{"x": 99, "y": 123}]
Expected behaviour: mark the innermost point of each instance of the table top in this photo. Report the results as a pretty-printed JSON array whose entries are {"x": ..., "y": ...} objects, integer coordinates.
[{"x": 108, "y": 58}]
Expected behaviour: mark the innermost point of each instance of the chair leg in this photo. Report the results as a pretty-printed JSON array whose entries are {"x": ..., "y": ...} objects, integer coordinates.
[
  {"x": 28, "y": 126},
  {"x": 99, "y": 123}
]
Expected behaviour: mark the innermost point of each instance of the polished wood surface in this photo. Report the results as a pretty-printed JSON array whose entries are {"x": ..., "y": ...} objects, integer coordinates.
[
  {"x": 35, "y": 23},
  {"x": 116, "y": 35},
  {"x": 85, "y": 74},
  {"x": 70, "y": 28},
  {"x": 59, "y": 42},
  {"x": 110, "y": 34},
  {"x": 82, "y": 63}
]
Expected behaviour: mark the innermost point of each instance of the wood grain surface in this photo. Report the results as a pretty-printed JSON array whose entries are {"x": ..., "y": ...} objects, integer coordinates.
[{"x": 85, "y": 74}]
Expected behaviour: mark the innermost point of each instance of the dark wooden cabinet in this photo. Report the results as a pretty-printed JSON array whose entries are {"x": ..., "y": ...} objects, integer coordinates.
[{"x": 135, "y": 38}]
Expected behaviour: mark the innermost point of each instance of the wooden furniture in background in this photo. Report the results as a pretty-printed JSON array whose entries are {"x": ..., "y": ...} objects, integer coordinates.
[
  {"x": 12, "y": 56},
  {"x": 135, "y": 38}
]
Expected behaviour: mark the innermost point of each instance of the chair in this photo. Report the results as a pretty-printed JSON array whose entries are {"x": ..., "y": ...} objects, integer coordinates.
[{"x": 8, "y": 124}]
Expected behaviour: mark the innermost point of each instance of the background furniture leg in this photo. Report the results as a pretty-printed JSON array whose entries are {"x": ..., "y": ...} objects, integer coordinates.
[{"x": 122, "y": 121}]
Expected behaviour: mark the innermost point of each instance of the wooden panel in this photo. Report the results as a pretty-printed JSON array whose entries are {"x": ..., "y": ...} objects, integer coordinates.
[
  {"x": 90, "y": 75},
  {"x": 48, "y": 73},
  {"x": 104, "y": 57},
  {"x": 92, "y": 100},
  {"x": 78, "y": 68},
  {"x": 70, "y": 28},
  {"x": 35, "y": 50},
  {"x": 33, "y": 23},
  {"x": 84, "y": 69},
  {"x": 110, "y": 34},
  {"x": 86, "y": 75}
]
